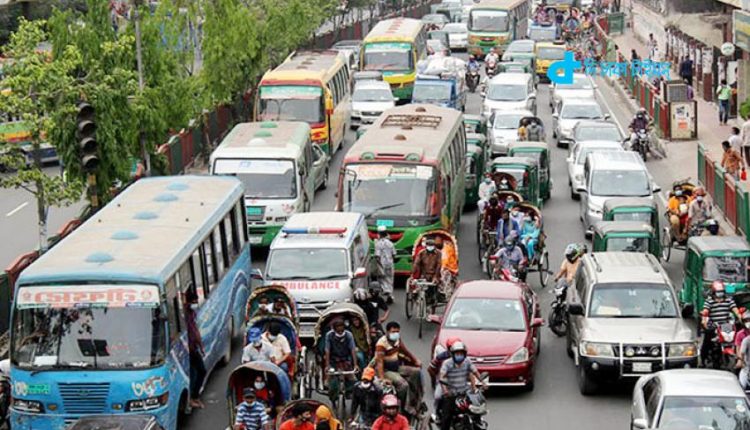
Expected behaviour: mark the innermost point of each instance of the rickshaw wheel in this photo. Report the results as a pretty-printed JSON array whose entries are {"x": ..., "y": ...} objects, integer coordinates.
[
  {"x": 311, "y": 372},
  {"x": 666, "y": 244},
  {"x": 422, "y": 310},
  {"x": 544, "y": 268},
  {"x": 409, "y": 303}
]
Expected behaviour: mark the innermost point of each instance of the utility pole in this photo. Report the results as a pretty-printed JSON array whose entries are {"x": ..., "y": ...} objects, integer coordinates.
[{"x": 139, "y": 60}]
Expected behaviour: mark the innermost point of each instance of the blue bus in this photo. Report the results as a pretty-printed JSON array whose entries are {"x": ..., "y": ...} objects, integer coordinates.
[{"x": 98, "y": 322}]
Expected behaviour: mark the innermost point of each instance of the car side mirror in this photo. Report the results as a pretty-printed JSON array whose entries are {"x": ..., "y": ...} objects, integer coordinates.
[
  {"x": 656, "y": 188},
  {"x": 575, "y": 309},
  {"x": 435, "y": 319},
  {"x": 606, "y": 116},
  {"x": 532, "y": 96},
  {"x": 569, "y": 159},
  {"x": 688, "y": 311},
  {"x": 581, "y": 190},
  {"x": 256, "y": 274},
  {"x": 538, "y": 322},
  {"x": 361, "y": 272},
  {"x": 395, "y": 99},
  {"x": 640, "y": 423},
  {"x": 596, "y": 86}
]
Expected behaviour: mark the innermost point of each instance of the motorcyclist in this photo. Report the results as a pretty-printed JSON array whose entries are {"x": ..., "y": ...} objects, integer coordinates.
[
  {"x": 510, "y": 256},
  {"x": 472, "y": 65},
  {"x": 534, "y": 131},
  {"x": 441, "y": 354},
  {"x": 366, "y": 398},
  {"x": 641, "y": 121},
  {"x": 571, "y": 24},
  {"x": 391, "y": 418},
  {"x": 485, "y": 191},
  {"x": 569, "y": 265},
  {"x": 493, "y": 56},
  {"x": 455, "y": 377},
  {"x": 389, "y": 365},
  {"x": 717, "y": 309}
]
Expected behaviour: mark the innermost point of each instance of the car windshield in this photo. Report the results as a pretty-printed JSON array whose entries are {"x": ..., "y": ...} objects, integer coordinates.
[
  {"x": 381, "y": 190},
  {"x": 609, "y": 133},
  {"x": 291, "y": 103},
  {"x": 307, "y": 263},
  {"x": 575, "y": 111},
  {"x": 727, "y": 269},
  {"x": 436, "y": 18},
  {"x": 620, "y": 183},
  {"x": 705, "y": 413},
  {"x": 507, "y": 121},
  {"x": 81, "y": 327},
  {"x": 579, "y": 83},
  {"x": 586, "y": 151},
  {"x": 551, "y": 53},
  {"x": 427, "y": 92},
  {"x": 263, "y": 178},
  {"x": 455, "y": 28},
  {"x": 543, "y": 33},
  {"x": 632, "y": 301},
  {"x": 627, "y": 244},
  {"x": 507, "y": 92},
  {"x": 488, "y": 20},
  {"x": 486, "y": 314},
  {"x": 372, "y": 95},
  {"x": 632, "y": 216},
  {"x": 520, "y": 47},
  {"x": 388, "y": 57}
]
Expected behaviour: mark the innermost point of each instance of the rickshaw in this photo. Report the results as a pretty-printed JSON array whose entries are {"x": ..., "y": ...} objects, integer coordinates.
[
  {"x": 713, "y": 258},
  {"x": 540, "y": 262},
  {"x": 418, "y": 298},
  {"x": 476, "y": 165},
  {"x": 668, "y": 240},
  {"x": 269, "y": 294},
  {"x": 243, "y": 376},
  {"x": 313, "y": 378},
  {"x": 475, "y": 124},
  {"x": 486, "y": 239},
  {"x": 627, "y": 236},
  {"x": 290, "y": 330},
  {"x": 540, "y": 152},
  {"x": 288, "y": 412},
  {"x": 525, "y": 174}
]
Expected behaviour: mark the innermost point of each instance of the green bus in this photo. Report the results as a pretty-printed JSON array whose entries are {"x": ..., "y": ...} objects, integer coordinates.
[{"x": 496, "y": 23}]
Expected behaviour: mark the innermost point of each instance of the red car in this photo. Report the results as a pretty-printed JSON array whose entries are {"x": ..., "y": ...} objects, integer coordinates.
[{"x": 500, "y": 325}]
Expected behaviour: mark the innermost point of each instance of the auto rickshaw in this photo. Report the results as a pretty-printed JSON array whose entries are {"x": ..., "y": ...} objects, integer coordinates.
[
  {"x": 244, "y": 376},
  {"x": 475, "y": 124},
  {"x": 267, "y": 295},
  {"x": 540, "y": 152},
  {"x": 521, "y": 174},
  {"x": 419, "y": 302},
  {"x": 476, "y": 164},
  {"x": 713, "y": 258},
  {"x": 288, "y": 412},
  {"x": 313, "y": 379},
  {"x": 627, "y": 236},
  {"x": 290, "y": 330}
]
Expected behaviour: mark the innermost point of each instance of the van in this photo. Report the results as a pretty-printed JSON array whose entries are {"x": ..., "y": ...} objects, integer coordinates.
[
  {"x": 509, "y": 91},
  {"x": 280, "y": 168},
  {"x": 321, "y": 258},
  {"x": 612, "y": 174},
  {"x": 624, "y": 320}
]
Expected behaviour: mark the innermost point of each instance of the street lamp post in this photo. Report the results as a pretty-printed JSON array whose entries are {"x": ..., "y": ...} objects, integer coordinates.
[{"x": 139, "y": 60}]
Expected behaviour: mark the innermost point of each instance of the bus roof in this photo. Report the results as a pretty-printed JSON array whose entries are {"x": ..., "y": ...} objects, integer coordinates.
[
  {"x": 282, "y": 139},
  {"x": 395, "y": 29},
  {"x": 497, "y": 4},
  {"x": 315, "y": 65},
  {"x": 142, "y": 235},
  {"x": 403, "y": 132}
]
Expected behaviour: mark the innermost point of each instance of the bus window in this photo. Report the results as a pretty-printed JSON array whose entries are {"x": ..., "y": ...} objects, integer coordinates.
[
  {"x": 241, "y": 223},
  {"x": 210, "y": 258},
  {"x": 173, "y": 320},
  {"x": 221, "y": 262},
  {"x": 199, "y": 276},
  {"x": 230, "y": 227},
  {"x": 228, "y": 260}
]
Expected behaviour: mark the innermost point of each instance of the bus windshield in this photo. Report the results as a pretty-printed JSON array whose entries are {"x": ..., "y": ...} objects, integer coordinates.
[
  {"x": 263, "y": 178},
  {"x": 388, "y": 56},
  {"x": 488, "y": 20},
  {"x": 390, "y": 190},
  {"x": 291, "y": 103},
  {"x": 81, "y": 327}
]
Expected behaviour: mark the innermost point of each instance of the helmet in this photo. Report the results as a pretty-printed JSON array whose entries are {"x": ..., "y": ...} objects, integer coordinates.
[
  {"x": 389, "y": 401},
  {"x": 717, "y": 289},
  {"x": 571, "y": 252},
  {"x": 509, "y": 242},
  {"x": 449, "y": 343},
  {"x": 712, "y": 226},
  {"x": 458, "y": 346},
  {"x": 375, "y": 286}
]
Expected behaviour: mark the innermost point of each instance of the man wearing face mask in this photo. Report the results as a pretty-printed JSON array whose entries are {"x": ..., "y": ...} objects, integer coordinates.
[
  {"x": 428, "y": 263},
  {"x": 279, "y": 344},
  {"x": 366, "y": 398},
  {"x": 388, "y": 365},
  {"x": 485, "y": 191},
  {"x": 340, "y": 354},
  {"x": 257, "y": 349},
  {"x": 455, "y": 377},
  {"x": 743, "y": 350},
  {"x": 717, "y": 309},
  {"x": 699, "y": 210}
]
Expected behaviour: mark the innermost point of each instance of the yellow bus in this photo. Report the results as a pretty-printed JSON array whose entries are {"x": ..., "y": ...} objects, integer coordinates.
[
  {"x": 393, "y": 47},
  {"x": 496, "y": 23},
  {"x": 313, "y": 87}
]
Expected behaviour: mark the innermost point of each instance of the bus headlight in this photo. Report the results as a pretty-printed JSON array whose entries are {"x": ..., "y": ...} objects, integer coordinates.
[
  {"x": 28, "y": 406},
  {"x": 148, "y": 404}
]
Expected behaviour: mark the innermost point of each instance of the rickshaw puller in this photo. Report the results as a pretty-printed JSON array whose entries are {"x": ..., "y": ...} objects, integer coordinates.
[{"x": 340, "y": 354}]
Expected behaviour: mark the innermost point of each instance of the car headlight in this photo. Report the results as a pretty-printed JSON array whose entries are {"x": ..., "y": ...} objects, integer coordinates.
[
  {"x": 520, "y": 356},
  {"x": 594, "y": 349},
  {"x": 687, "y": 349},
  {"x": 28, "y": 406},
  {"x": 147, "y": 404}
]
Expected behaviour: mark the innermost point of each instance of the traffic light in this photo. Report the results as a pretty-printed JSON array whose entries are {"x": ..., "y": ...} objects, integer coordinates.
[{"x": 86, "y": 136}]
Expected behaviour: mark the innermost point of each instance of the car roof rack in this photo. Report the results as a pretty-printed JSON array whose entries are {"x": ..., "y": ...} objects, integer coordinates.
[{"x": 403, "y": 120}]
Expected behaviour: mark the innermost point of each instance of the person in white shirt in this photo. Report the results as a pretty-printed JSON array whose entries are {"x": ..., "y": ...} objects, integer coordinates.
[
  {"x": 279, "y": 345},
  {"x": 257, "y": 348},
  {"x": 485, "y": 191},
  {"x": 735, "y": 140}
]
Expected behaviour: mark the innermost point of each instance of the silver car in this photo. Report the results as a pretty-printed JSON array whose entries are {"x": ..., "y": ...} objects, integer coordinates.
[
  {"x": 458, "y": 35},
  {"x": 583, "y": 87},
  {"x": 577, "y": 158},
  {"x": 567, "y": 115},
  {"x": 509, "y": 91},
  {"x": 689, "y": 399},
  {"x": 503, "y": 129},
  {"x": 597, "y": 130},
  {"x": 369, "y": 100}
]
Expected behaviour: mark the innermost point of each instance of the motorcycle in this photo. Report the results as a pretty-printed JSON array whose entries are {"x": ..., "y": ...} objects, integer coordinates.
[
  {"x": 511, "y": 274},
  {"x": 641, "y": 144},
  {"x": 470, "y": 409},
  {"x": 558, "y": 321},
  {"x": 491, "y": 69},
  {"x": 721, "y": 355},
  {"x": 472, "y": 79}
]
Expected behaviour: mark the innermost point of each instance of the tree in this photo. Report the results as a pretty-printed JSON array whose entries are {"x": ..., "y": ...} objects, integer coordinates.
[{"x": 33, "y": 84}]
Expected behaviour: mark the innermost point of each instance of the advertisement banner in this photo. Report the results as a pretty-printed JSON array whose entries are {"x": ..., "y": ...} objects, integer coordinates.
[{"x": 741, "y": 28}]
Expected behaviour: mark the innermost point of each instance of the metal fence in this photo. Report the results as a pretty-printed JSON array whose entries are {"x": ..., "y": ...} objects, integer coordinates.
[{"x": 729, "y": 196}]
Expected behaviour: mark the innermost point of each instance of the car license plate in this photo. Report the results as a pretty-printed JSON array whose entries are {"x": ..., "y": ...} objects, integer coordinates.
[
  {"x": 255, "y": 240},
  {"x": 642, "y": 367}
]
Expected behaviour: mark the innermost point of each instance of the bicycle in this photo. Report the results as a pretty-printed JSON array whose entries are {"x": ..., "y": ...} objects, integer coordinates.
[
  {"x": 339, "y": 403},
  {"x": 416, "y": 300}
]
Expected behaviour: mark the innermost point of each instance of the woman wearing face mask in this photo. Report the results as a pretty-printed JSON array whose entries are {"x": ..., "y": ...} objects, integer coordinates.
[{"x": 263, "y": 393}]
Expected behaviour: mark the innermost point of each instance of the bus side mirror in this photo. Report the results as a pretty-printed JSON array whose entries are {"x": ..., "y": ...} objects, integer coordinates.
[{"x": 329, "y": 106}]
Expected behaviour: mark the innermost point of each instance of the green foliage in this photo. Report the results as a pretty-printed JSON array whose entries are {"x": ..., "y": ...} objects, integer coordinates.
[{"x": 745, "y": 109}]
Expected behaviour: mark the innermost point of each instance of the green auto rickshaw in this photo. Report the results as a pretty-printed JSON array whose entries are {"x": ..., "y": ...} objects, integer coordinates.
[
  {"x": 641, "y": 209},
  {"x": 713, "y": 258},
  {"x": 626, "y": 236},
  {"x": 539, "y": 151},
  {"x": 520, "y": 174},
  {"x": 360, "y": 131},
  {"x": 475, "y": 170},
  {"x": 475, "y": 124}
]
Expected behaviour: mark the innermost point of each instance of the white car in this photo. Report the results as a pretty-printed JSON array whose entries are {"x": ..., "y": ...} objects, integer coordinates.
[
  {"x": 509, "y": 91},
  {"x": 522, "y": 46},
  {"x": 583, "y": 87},
  {"x": 597, "y": 130},
  {"x": 369, "y": 100},
  {"x": 577, "y": 158},
  {"x": 567, "y": 115},
  {"x": 503, "y": 129},
  {"x": 458, "y": 35}
]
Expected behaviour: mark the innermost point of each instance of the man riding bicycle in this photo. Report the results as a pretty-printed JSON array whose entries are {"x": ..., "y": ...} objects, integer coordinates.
[
  {"x": 717, "y": 309},
  {"x": 427, "y": 266},
  {"x": 341, "y": 355},
  {"x": 456, "y": 376},
  {"x": 389, "y": 365}
]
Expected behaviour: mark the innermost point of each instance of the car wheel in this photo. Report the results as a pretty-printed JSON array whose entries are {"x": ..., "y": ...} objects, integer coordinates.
[{"x": 586, "y": 384}]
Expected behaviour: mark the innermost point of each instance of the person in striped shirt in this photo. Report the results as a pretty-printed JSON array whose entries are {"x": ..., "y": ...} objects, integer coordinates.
[
  {"x": 717, "y": 309},
  {"x": 251, "y": 414}
]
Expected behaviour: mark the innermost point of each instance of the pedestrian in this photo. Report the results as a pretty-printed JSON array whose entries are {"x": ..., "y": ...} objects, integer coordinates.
[
  {"x": 385, "y": 252},
  {"x": 651, "y": 45},
  {"x": 723, "y": 93},
  {"x": 735, "y": 140},
  {"x": 686, "y": 70},
  {"x": 690, "y": 93},
  {"x": 195, "y": 348},
  {"x": 634, "y": 56},
  {"x": 746, "y": 140},
  {"x": 731, "y": 161},
  {"x": 251, "y": 414}
]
